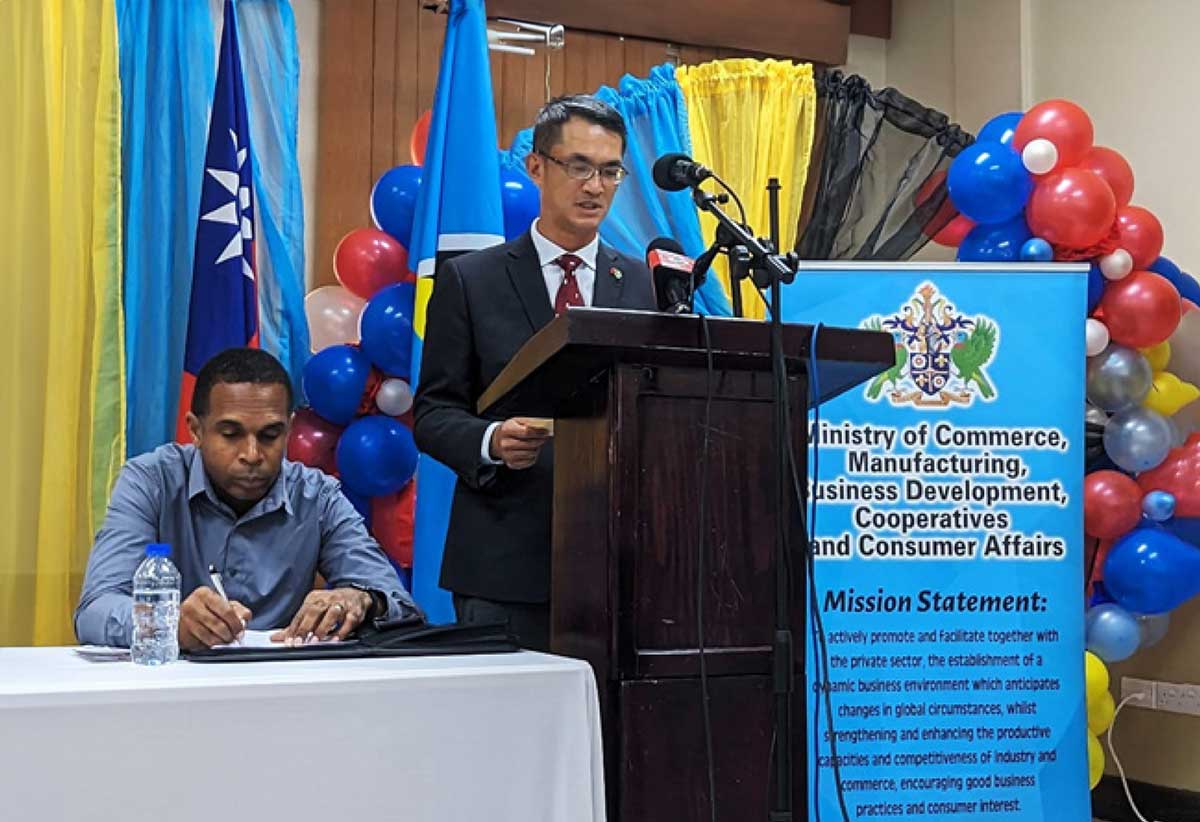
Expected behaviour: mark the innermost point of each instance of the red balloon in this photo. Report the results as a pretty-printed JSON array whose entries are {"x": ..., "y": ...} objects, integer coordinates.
[
  {"x": 420, "y": 137},
  {"x": 313, "y": 441},
  {"x": 946, "y": 227},
  {"x": 954, "y": 231},
  {"x": 1112, "y": 504},
  {"x": 1112, "y": 169},
  {"x": 368, "y": 260},
  {"x": 1062, "y": 123},
  {"x": 1141, "y": 234},
  {"x": 1141, "y": 310},
  {"x": 392, "y": 524},
  {"x": 1072, "y": 207},
  {"x": 1189, "y": 306},
  {"x": 1178, "y": 474}
]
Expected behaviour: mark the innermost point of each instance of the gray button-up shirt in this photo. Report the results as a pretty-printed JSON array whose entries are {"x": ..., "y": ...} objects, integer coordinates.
[{"x": 267, "y": 557}]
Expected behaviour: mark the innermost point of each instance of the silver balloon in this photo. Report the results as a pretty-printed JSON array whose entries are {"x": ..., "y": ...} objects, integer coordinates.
[
  {"x": 394, "y": 397},
  {"x": 1137, "y": 439},
  {"x": 1153, "y": 627},
  {"x": 1095, "y": 415},
  {"x": 1118, "y": 378}
]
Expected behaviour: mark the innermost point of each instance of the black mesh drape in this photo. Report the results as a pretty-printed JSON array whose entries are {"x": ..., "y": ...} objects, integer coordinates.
[{"x": 877, "y": 187}]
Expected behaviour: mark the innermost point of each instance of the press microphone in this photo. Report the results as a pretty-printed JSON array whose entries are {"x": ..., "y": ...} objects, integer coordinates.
[
  {"x": 672, "y": 275},
  {"x": 675, "y": 172}
]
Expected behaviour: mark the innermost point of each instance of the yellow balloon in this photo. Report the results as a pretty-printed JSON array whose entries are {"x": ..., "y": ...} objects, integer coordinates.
[
  {"x": 1095, "y": 677},
  {"x": 1169, "y": 393},
  {"x": 1095, "y": 761},
  {"x": 1100, "y": 713},
  {"x": 1158, "y": 355}
]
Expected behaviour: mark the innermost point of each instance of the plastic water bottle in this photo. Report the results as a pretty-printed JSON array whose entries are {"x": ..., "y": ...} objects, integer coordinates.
[{"x": 155, "y": 608}]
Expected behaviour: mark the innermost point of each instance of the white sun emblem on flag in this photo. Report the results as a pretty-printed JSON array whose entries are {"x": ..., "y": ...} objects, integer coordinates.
[{"x": 235, "y": 212}]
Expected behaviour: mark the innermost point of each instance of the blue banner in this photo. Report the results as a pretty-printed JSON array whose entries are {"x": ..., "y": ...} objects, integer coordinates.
[{"x": 949, "y": 545}]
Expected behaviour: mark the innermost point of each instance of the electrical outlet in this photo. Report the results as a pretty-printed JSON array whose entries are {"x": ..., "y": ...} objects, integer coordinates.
[
  {"x": 1143, "y": 687},
  {"x": 1177, "y": 698}
]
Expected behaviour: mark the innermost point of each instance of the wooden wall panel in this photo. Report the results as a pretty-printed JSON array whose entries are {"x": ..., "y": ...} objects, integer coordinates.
[{"x": 378, "y": 72}]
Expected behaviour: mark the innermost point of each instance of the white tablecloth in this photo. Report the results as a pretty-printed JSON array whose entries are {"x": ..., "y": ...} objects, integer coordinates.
[{"x": 504, "y": 737}]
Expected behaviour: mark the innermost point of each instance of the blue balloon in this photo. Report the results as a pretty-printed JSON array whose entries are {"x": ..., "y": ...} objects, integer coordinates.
[
  {"x": 1001, "y": 128},
  {"x": 994, "y": 243},
  {"x": 1151, "y": 571},
  {"x": 387, "y": 331},
  {"x": 1159, "y": 505},
  {"x": 1096, "y": 283},
  {"x": 521, "y": 199},
  {"x": 1112, "y": 633},
  {"x": 361, "y": 504},
  {"x": 1184, "y": 283},
  {"x": 989, "y": 183},
  {"x": 376, "y": 455},
  {"x": 1186, "y": 528},
  {"x": 1037, "y": 250},
  {"x": 334, "y": 380},
  {"x": 394, "y": 202}
]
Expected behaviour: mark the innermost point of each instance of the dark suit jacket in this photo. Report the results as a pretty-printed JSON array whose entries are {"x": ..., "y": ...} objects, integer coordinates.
[{"x": 485, "y": 306}]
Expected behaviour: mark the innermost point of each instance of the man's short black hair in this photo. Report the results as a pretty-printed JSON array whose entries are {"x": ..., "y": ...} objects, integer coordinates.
[
  {"x": 547, "y": 129},
  {"x": 235, "y": 365}
]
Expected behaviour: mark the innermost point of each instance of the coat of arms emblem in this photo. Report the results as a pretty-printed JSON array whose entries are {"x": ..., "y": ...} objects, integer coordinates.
[{"x": 941, "y": 355}]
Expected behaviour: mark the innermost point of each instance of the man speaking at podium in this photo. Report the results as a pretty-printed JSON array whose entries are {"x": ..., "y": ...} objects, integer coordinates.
[{"x": 485, "y": 306}]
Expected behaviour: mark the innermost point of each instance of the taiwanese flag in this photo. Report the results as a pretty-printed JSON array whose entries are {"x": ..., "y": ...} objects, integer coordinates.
[{"x": 224, "y": 303}]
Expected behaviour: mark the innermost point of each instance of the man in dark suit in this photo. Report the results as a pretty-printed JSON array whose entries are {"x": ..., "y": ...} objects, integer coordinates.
[{"x": 485, "y": 306}]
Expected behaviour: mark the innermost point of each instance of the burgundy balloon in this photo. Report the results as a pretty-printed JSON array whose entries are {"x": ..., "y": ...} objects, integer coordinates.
[
  {"x": 1141, "y": 310},
  {"x": 313, "y": 441},
  {"x": 1072, "y": 207},
  {"x": 1113, "y": 169},
  {"x": 1141, "y": 234}
]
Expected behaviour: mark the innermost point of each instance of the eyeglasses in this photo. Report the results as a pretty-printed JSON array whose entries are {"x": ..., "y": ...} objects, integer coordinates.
[{"x": 583, "y": 171}]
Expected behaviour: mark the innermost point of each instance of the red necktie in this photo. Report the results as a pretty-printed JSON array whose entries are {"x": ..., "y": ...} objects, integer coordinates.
[{"x": 568, "y": 293}]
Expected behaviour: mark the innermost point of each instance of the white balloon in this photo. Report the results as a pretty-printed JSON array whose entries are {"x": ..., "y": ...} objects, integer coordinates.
[
  {"x": 1040, "y": 156},
  {"x": 394, "y": 397},
  {"x": 1117, "y": 265},
  {"x": 1096, "y": 336},
  {"x": 332, "y": 314}
]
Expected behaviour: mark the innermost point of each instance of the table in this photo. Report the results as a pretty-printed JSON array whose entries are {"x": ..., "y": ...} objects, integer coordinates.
[{"x": 488, "y": 737}]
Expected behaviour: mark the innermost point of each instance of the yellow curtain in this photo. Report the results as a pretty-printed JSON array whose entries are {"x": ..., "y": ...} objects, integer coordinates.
[
  {"x": 62, "y": 407},
  {"x": 751, "y": 120}
]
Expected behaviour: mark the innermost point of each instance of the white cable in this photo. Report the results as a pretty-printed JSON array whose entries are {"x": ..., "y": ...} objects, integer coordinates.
[{"x": 1117, "y": 761}]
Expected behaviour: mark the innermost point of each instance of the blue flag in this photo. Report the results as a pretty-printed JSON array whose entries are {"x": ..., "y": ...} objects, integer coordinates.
[
  {"x": 458, "y": 210},
  {"x": 224, "y": 304}
]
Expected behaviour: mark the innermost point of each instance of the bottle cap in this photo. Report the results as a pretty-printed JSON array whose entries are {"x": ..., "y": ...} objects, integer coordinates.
[{"x": 158, "y": 549}]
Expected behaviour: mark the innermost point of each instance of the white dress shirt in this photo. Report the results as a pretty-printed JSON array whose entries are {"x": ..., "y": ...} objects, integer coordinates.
[{"x": 585, "y": 277}]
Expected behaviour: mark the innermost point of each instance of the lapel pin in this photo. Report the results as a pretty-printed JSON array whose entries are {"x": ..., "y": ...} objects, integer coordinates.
[{"x": 615, "y": 272}]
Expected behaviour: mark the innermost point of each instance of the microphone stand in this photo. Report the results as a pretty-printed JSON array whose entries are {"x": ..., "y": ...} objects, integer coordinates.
[{"x": 775, "y": 269}]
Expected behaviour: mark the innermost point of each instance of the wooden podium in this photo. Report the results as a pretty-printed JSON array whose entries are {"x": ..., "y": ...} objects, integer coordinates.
[{"x": 627, "y": 390}]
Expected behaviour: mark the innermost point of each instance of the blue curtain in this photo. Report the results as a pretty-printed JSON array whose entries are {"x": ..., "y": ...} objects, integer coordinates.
[
  {"x": 271, "y": 70},
  {"x": 168, "y": 69},
  {"x": 656, "y": 118}
]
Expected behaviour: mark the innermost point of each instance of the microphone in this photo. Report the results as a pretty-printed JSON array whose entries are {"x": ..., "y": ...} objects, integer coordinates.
[
  {"x": 675, "y": 172},
  {"x": 671, "y": 270}
]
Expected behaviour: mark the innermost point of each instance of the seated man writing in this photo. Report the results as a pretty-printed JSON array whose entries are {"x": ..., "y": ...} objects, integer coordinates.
[{"x": 232, "y": 501}]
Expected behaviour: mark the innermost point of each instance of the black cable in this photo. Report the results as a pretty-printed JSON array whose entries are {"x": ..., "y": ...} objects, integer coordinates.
[
  {"x": 1087, "y": 580},
  {"x": 701, "y": 550},
  {"x": 737, "y": 200}
]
